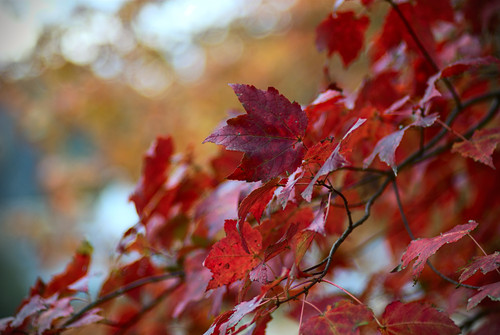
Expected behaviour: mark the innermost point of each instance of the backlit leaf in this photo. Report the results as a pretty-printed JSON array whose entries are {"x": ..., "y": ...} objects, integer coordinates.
[{"x": 228, "y": 260}]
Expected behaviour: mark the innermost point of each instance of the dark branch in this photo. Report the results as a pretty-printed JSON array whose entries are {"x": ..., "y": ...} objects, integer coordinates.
[{"x": 121, "y": 291}]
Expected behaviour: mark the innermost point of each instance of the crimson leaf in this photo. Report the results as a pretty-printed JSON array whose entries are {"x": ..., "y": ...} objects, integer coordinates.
[
  {"x": 342, "y": 33},
  {"x": 270, "y": 134},
  {"x": 257, "y": 201},
  {"x": 229, "y": 260},
  {"x": 484, "y": 263},
  {"x": 345, "y": 318},
  {"x": 333, "y": 162},
  {"x": 416, "y": 318},
  {"x": 491, "y": 290},
  {"x": 480, "y": 147},
  {"x": 423, "y": 248}
]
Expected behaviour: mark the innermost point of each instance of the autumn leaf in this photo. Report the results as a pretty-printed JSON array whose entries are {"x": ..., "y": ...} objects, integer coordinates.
[
  {"x": 416, "y": 318},
  {"x": 463, "y": 65},
  {"x": 386, "y": 147},
  {"x": 423, "y": 248},
  {"x": 88, "y": 318},
  {"x": 156, "y": 162},
  {"x": 333, "y": 162},
  {"x": 74, "y": 271},
  {"x": 492, "y": 291},
  {"x": 257, "y": 201},
  {"x": 480, "y": 147},
  {"x": 270, "y": 134},
  {"x": 342, "y": 33},
  {"x": 59, "y": 309},
  {"x": 484, "y": 263},
  {"x": 127, "y": 274},
  {"x": 287, "y": 192},
  {"x": 231, "y": 318},
  {"x": 228, "y": 259},
  {"x": 345, "y": 318}
]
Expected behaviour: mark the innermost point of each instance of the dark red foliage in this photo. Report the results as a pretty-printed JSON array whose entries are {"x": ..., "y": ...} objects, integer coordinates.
[
  {"x": 342, "y": 33},
  {"x": 218, "y": 256}
]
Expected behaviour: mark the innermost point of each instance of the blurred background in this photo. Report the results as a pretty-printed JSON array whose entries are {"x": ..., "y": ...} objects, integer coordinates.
[{"x": 86, "y": 85}]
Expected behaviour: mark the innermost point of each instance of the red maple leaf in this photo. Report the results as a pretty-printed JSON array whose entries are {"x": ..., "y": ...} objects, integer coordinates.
[
  {"x": 416, "y": 318},
  {"x": 342, "y": 33},
  {"x": 270, "y": 134},
  {"x": 345, "y": 318},
  {"x": 491, "y": 290},
  {"x": 480, "y": 147},
  {"x": 423, "y": 248},
  {"x": 484, "y": 263},
  {"x": 228, "y": 259}
]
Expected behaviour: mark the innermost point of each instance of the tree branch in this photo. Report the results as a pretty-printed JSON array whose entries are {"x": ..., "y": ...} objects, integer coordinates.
[{"x": 120, "y": 291}]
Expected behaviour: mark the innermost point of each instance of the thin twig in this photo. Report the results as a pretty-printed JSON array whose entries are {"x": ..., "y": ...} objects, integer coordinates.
[
  {"x": 417, "y": 155},
  {"x": 468, "y": 134}
]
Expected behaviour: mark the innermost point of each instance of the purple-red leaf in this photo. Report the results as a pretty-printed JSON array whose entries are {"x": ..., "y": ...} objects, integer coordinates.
[
  {"x": 423, "y": 248},
  {"x": 492, "y": 291},
  {"x": 342, "y": 33},
  {"x": 484, "y": 263},
  {"x": 270, "y": 134},
  {"x": 416, "y": 318},
  {"x": 480, "y": 147},
  {"x": 345, "y": 318}
]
